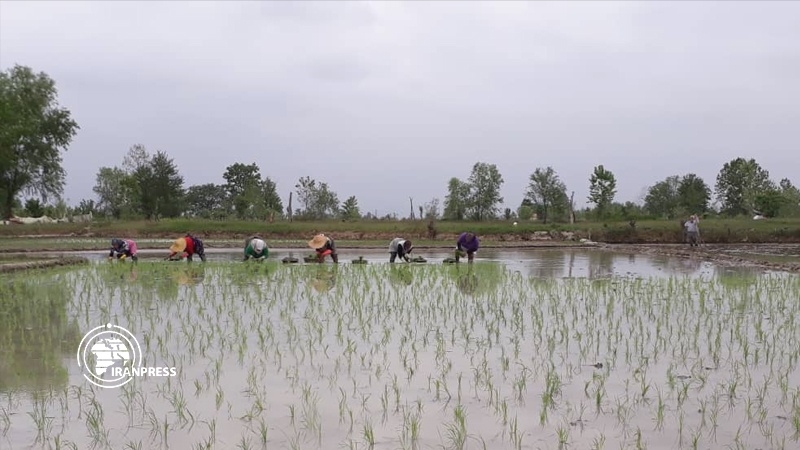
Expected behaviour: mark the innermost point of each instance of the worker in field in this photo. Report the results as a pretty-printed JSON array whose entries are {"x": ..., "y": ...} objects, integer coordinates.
[
  {"x": 467, "y": 245},
  {"x": 256, "y": 248},
  {"x": 187, "y": 247},
  {"x": 123, "y": 248},
  {"x": 324, "y": 246},
  {"x": 692, "y": 231},
  {"x": 400, "y": 247}
]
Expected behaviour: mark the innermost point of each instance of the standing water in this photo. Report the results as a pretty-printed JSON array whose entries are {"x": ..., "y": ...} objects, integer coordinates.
[{"x": 519, "y": 350}]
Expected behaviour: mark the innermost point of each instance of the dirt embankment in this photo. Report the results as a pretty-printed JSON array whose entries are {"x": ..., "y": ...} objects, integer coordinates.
[{"x": 15, "y": 266}]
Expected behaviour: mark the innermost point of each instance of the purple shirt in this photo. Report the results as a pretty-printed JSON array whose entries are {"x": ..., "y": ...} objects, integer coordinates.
[{"x": 468, "y": 246}]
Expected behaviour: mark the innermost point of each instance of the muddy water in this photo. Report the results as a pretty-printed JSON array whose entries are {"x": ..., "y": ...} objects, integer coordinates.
[{"x": 312, "y": 356}]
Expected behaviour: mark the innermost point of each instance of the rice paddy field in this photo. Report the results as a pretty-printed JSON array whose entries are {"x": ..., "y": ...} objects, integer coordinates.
[{"x": 550, "y": 349}]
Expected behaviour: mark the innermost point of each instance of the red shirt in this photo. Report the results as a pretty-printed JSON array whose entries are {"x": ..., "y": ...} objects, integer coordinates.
[{"x": 189, "y": 246}]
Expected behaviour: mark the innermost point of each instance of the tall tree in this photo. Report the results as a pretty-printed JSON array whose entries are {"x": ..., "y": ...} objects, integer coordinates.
[
  {"x": 739, "y": 182},
  {"x": 456, "y": 203},
  {"x": 662, "y": 198},
  {"x": 769, "y": 202},
  {"x": 694, "y": 194},
  {"x": 350, "y": 210},
  {"x": 602, "y": 189},
  {"x": 34, "y": 130},
  {"x": 160, "y": 187},
  {"x": 431, "y": 210},
  {"x": 318, "y": 200},
  {"x": 239, "y": 176},
  {"x": 242, "y": 182},
  {"x": 791, "y": 204},
  {"x": 269, "y": 197},
  {"x": 113, "y": 189},
  {"x": 485, "y": 182},
  {"x": 136, "y": 157},
  {"x": 548, "y": 192},
  {"x": 206, "y": 200}
]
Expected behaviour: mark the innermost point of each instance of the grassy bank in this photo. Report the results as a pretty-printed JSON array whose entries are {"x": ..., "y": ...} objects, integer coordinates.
[{"x": 645, "y": 232}]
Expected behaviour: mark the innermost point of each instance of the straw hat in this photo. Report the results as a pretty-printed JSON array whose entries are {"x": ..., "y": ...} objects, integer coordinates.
[
  {"x": 178, "y": 246},
  {"x": 319, "y": 241}
]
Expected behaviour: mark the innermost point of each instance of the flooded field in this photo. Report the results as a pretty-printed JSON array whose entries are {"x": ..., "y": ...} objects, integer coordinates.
[{"x": 522, "y": 350}]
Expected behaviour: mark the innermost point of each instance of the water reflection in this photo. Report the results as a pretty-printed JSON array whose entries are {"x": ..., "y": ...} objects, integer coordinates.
[
  {"x": 400, "y": 274},
  {"x": 684, "y": 266},
  {"x": 736, "y": 277},
  {"x": 35, "y": 335},
  {"x": 468, "y": 283},
  {"x": 477, "y": 278},
  {"x": 548, "y": 264},
  {"x": 324, "y": 278},
  {"x": 601, "y": 264},
  {"x": 189, "y": 275}
]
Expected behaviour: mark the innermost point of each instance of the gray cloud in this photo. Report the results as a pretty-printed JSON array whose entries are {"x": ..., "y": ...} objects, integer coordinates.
[{"x": 346, "y": 91}]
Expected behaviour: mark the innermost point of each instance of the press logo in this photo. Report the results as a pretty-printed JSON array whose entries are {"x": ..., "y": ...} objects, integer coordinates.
[{"x": 110, "y": 356}]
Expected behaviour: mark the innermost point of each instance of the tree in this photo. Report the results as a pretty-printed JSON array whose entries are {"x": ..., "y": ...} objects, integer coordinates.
[
  {"x": 769, "y": 203},
  {"x": 693, "y": 195},
  {"x": 136, "y": 157},
  {"x": 662, "y": 198},
  {"x": 206, "y": 200},
  {"x": 34, "y": 130},
  {"x": 602, "y": 189},
  {"x": 318, "y": 201},
  {"x": 242, "y": 184},
  {"x": 113, "y": 189},
  {"x": 431, "y": 210},
  {"x": 34, "y": 207},
  {"x": 547, "y": 192},
  {"x": 239, "y": 176},
  {"x": 484, "y": 183},
  {"x": 86, "y": 206},
  {"x": 791, "y": 195},
  {"x": 525, "y": 210},
  {"x": 160, "y": 187},
  {"x": 457, "y": 200},
  {"x": 739, "y": 182},
  {"x": 270, "y": 199},
  {"x": 350, "y": 209}
]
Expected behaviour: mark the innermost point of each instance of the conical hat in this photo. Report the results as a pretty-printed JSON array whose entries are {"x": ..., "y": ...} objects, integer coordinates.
[
  {"x": 319, "y": 241},
  {"x": 178, "y": 246}
]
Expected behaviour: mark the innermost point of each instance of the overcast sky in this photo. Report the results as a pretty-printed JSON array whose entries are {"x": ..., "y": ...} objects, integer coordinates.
[{"x": 388, "y": 100}]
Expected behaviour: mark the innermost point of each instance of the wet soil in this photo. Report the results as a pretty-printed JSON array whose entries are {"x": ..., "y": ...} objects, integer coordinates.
[{"x": 15, "y": 265}]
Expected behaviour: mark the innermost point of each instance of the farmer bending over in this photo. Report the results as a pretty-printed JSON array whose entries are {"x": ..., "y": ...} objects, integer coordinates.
[
  {"x": 124, "y": 248},
  {"x": 256, "y": 248},
  {"x": 324, "y": 246},
  {"x": 400, "y": 247},
  {"x": 187, "y": 246},
  {"x": 467, "y": 244}
]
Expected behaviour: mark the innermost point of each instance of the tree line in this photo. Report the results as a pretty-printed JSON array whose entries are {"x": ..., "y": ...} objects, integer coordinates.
[
  {"x": 35, "y": 131},
  {"x": 150, "y": 186}
]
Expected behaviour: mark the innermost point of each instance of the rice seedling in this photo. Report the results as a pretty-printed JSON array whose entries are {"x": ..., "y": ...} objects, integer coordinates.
[{"x": 701, "y": 358}]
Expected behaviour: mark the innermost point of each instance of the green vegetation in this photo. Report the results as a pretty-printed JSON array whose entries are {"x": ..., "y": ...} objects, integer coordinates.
[
  {"x": 412, "y": 356},
  {"x": 34, "y": 131},
  {"x": 380, "y": 232}
]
